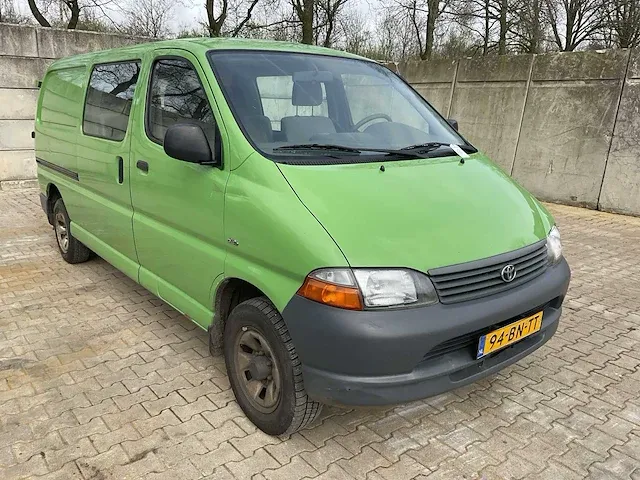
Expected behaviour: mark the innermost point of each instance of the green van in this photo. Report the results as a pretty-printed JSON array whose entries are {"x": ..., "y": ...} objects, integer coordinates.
[{"x": 339, "y": 239}]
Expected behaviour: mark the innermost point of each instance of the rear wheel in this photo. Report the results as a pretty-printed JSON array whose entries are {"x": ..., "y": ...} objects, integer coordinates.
[
  {"x": 264, "y": 369},
  {"x": 71, "y": 249}
]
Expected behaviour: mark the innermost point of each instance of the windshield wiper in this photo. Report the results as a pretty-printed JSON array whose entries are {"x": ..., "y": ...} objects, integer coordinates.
[
  {"x": 427, "y": 147},
  {"x": 317, "y": 146},
  {"x": 343, "y": 148}
]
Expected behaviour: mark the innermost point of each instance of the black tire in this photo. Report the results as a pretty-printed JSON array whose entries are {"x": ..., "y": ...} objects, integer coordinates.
[
  {"x": 294, "y": 409},
  {"x": 72, "y": 251}
]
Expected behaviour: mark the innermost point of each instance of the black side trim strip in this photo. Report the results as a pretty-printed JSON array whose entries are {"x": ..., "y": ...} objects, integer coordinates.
[{"x": 59, "y": 169}]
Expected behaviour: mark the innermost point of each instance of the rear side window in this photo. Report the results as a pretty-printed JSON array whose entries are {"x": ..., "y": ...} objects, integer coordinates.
[
  {"x": 63, "y": 96},
  {"x": 109, "y": 97},
  {"x": 176, "y": 95}
]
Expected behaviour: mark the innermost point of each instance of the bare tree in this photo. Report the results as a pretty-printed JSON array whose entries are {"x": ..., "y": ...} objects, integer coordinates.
[
  {"x": 423, "y": 17},
  {"x": 149, "y": 18},
  {"x": 622, "y": 22},
  {"x": 69, "y": 13},
  {"x": 216, "y": 22},
  {"x": 529, "y": 25},
  {"x": 574, "y": 22},
  {"x": 354, "y": 35},
  {"x": 328, "y": 16},
  {"x": 488, "y": 19}
]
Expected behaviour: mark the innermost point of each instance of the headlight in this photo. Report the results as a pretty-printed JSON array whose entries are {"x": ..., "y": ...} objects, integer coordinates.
[
  {"x": 358, "y": 288},
  {"x": 390, "y": 288},
  {"x": 554, "y": 246}
]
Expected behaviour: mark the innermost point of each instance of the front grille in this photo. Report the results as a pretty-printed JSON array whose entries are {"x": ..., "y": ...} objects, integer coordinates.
[
  {"x": 481, "y": 278},
  {"x": 469, "y": 341}
]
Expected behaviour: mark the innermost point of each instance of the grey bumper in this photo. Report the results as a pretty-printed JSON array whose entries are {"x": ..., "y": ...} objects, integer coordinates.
[{"x": 396, "y": 356}]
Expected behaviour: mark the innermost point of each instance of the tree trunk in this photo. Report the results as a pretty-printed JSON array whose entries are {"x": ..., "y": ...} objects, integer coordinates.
[
  {"x": 536, "y": 28},
  {"x": 307, "y": 21},
  {"x": 432, "y": 16},
  {"x": 502, "y": 42},
  {"x": 216, "y": 24},
  {"x": 487, "y": 27},
  {"x": 210, "y": 18},
  {"x": 75, "y": 14},
  {"x": 327, "y": 38},
  {"x": 37, "y": 15}
]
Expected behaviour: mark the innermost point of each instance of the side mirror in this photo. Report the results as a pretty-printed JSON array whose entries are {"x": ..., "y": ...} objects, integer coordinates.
[
  {"x": 188, "y": 142},
  {"x": 453, "y": 123}
]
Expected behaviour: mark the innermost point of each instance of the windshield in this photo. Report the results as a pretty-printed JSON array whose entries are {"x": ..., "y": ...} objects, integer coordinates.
[{"x": 289, "y": 103}]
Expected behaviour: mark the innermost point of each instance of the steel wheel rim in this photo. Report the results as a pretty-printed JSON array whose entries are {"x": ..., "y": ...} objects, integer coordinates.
[
  {"x": 62, "y": 232},
  {"x": 251, "y": 354}
]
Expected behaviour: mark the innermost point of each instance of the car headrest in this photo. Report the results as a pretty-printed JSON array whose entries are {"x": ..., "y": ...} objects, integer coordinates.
[{"x": 307, "y": 93}]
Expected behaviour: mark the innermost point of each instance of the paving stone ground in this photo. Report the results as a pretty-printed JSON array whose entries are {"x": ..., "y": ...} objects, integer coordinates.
[{"x": 101, "y": 380}]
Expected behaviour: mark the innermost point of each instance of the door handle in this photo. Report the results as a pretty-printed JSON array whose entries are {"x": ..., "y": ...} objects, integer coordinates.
[
  {"x": 120, "y": 170},
  {"x": 142, "y": 165}
]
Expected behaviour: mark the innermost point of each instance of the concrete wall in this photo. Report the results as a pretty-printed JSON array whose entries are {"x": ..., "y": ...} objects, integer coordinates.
[
  {"x": 25, "y": 54},
  {"x": 565, "y": 125}
]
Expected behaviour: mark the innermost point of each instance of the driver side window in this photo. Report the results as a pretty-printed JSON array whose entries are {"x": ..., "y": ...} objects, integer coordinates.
[{"x": 176, "y": 95}]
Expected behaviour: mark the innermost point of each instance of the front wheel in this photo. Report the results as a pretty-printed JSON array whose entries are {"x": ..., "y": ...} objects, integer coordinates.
[{"x": 264, "y": 369}]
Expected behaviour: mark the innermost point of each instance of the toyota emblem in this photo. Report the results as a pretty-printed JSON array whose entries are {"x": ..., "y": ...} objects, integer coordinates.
[{"x": 508, "y": 273}]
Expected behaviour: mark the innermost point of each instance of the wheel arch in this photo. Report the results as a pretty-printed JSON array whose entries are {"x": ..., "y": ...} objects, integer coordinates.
[
  {"x": 230, "y": 293},
  {"x": 53, "y": 194}
]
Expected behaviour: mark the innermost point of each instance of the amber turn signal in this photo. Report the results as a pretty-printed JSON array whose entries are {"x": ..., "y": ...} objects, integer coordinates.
[{"x": 331, "y": 294}]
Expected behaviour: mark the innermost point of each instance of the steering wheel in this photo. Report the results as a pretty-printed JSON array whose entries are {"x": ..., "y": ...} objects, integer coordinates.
[{"x": 370, "y": 118}]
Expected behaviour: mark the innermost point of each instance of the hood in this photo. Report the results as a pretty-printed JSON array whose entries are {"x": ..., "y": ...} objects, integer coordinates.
[{"x": 420, "y": 214}]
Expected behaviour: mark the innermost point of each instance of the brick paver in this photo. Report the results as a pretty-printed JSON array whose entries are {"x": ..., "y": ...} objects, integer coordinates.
[{"x": 101, "y": 380}]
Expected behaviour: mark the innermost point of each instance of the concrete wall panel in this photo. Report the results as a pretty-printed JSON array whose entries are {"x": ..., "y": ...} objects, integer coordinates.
[
  {"x": 621, "y": 185},
  {"x": 18, "y": 103},
  {"x": 567, "y": 125},
  {"x": 596, "y": 65},
  {"x": 489, "y": 117},
  {"x": 17, "y": 165},
  {"x": 495, "y": 69},
  {"x": 488, "y": 102},
  {"x": 564, "y": 141},
  {"x": 18, "y": 41},
  {"x": 22, "y": 72},
  {"x": 435, "y": 71},
  {"x": 62, "y": 43},
  {"x": 16, "y": 135}
]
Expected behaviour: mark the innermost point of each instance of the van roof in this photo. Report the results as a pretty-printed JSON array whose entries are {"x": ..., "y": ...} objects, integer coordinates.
[{"x": 198, "y": 45}]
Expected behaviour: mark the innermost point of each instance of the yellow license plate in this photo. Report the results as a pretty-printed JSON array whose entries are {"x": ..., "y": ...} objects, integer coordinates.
[{"x": 509, "y": 334}]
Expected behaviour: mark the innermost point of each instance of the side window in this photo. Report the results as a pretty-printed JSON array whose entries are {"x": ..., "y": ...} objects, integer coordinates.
[
  {"x": 108, "y": 100},
  {"x": 176, "y": 95},
  {"x": 276, "y": 96}
]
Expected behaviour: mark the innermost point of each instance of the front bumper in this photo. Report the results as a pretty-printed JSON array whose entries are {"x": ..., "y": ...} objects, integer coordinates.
[{"x": 396, "y": 356}]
